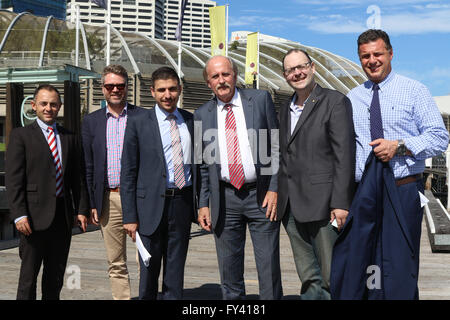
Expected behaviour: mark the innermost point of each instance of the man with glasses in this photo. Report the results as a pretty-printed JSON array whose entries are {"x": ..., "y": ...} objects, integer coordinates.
[
  {"x": 316, "y": 177},
  {"x": 102, "y": 134}
]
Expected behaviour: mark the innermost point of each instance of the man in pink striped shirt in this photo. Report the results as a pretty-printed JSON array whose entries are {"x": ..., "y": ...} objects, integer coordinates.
[{"x": 102, "y": 133}]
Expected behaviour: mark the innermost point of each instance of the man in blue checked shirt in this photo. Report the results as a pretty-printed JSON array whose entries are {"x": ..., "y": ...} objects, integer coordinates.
[{"x": 397, "y": 118}]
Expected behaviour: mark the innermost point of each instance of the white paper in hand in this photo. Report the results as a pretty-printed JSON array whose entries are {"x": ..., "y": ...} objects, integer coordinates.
[
  {"x": 423, "y": 200},
  {"x": 145, "y": 256}
]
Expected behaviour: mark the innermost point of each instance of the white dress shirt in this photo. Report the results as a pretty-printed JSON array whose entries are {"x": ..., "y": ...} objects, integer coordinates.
[{"x": 244, "y": 143}]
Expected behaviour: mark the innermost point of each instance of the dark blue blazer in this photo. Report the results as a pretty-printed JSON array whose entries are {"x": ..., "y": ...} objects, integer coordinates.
[
  {"x": 375, "y": 234},
  {"x": 93, "y": 134},
  {"x": 143, "y": 171}
]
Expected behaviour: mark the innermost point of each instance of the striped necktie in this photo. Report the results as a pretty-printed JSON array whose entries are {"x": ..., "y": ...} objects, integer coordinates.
[
  {"x": 56, "y": 160},
  {"x": 177, "y": 153},
  {"x": 235, "y": 167}
]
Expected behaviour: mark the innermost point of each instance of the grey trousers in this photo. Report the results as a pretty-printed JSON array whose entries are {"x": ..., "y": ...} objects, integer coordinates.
[
  {"x": 312, "y": 245},
  {"x": 239, "y": 209}
]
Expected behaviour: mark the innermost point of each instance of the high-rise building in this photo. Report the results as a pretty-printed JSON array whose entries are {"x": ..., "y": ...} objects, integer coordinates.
[
  {"x": 196, "y": 31},
  {"x": 146, "y": 16},
  {"x": 155, "y": 18}
]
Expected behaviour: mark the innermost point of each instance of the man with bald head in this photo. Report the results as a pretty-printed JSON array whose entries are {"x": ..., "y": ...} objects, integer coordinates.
[{"x": 236, "y": 145}]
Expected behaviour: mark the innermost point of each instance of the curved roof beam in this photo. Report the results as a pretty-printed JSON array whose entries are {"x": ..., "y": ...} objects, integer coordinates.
[
  {"x": 318, "y": 75},
  {"x": 8, "y": 31},
  {"x": 184, "y": 48},
  {"x": 163, "y": 51},
  {"x": 85, "y": 45},
  {"x": 127, "y": 50},
  {"x": 315, "y": 61},
  {"x": 273, "y": 85},
  {"x": 350, "y": 63},
  {"x": 44, "y": 41},
  {"x": 261, "y": 65}
]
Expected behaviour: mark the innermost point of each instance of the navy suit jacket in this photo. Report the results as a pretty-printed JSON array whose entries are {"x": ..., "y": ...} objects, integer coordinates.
[
  {"x": 93, "y": 134},
  {"x": 262, "y": 123},
  {"x": 143, "y": 172},
  {"x": 375, "y": 234}
]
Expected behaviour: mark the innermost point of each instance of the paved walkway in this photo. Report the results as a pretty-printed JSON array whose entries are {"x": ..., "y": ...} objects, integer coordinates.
[{"x": 87, "y": 258}]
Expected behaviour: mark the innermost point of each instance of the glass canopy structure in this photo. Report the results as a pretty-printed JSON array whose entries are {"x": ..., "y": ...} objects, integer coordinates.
[{"x": 34, "y": 42}]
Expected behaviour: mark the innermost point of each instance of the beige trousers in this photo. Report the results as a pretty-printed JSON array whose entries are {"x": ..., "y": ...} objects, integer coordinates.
[{"x": 114, "y": 236}]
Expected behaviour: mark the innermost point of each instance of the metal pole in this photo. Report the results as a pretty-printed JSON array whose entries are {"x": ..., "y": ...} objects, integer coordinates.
[
  {"x": 108, "y": 35},
  {"x": 77, "y": 36},
  {"x": 226, "y": 32}
]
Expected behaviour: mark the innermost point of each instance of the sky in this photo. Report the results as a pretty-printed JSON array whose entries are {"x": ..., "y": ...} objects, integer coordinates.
[{"x": 419, "y": 30}]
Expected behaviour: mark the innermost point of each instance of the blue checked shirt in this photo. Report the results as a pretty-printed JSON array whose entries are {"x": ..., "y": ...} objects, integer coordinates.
[{"x": 408, "y": 112}]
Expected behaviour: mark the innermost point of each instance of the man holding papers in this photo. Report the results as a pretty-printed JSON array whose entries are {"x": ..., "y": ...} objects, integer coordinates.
[{"x": 156, "y": 183}]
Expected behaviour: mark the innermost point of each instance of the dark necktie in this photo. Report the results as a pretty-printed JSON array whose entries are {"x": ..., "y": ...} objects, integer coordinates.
[{"x": 376, "y": 124}]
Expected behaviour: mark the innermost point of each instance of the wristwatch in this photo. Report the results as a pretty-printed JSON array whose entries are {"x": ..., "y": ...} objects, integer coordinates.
[{"x": 401, "y": 148}]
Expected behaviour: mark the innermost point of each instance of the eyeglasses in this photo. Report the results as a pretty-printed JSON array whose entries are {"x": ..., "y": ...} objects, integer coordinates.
[
  {"x": 110, "y": 86},
  {"x": 301, "y": 67}
]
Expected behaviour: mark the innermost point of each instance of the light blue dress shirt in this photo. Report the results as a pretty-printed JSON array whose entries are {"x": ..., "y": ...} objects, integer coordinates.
[
  {"x": 408, "y": 112},
  {"x": 166, "y": 139}
]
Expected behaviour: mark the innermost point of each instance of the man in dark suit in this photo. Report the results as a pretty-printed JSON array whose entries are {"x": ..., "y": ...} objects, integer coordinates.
[
  {"x": 316, "y": 178},
  {"x": 238, "y": 178},
  {"x": 102, "y": 134},
  {"x": 43, "y": 170},
  {"x": 157, "y": 186}
]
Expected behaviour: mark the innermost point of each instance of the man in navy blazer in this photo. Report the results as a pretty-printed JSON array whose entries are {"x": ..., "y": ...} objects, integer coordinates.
[
  {"x": 237, "y": 147},
  {"x": 157, "y": 181},
  {"x": 102, "y": 135}
]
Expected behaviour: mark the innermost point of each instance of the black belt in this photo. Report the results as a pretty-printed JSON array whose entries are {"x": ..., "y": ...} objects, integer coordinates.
[
  {"x": 175, "y": 191},
  {"x": 245, "y": 186}
]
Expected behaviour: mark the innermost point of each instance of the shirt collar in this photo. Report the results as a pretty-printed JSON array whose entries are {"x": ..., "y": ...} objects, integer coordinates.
[
  {"x": 123, "y": 113},
  {"x": 45, "y": 126},
  {"x": 162, "y": 114},
  {"x": 385, "y": 81},
  {"x": 235, "y": 101}
]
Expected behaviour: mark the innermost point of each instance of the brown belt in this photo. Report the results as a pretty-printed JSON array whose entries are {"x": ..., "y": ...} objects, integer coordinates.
[
  {"x": 408, "y": 179},
  {"x": 116, "y": 189}
]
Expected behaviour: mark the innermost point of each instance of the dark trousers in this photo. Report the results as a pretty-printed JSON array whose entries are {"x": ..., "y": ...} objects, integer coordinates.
[
  {"x": 50, "y": 247},
  {"x": 239, "y": 209},
  {"x": 312, "y": 246},
  {"x": 168, "y": 243}
]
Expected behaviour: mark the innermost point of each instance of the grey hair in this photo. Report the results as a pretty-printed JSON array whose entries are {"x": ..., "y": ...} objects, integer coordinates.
[{"x": 233, "y": 66}]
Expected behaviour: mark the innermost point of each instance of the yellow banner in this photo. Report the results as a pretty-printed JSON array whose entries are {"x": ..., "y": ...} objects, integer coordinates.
[
  {"x": 218, "y": 32},
  {"x": 251, "y": 61}
]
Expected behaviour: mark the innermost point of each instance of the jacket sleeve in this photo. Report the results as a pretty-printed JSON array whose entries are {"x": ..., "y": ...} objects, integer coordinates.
[
  {"x": 86, "y": 142},
  {"x": 15, "y": 175},
  {"x": 273, "y": 126},
  {"x": 342, "y": 139},
  {"x": 129, "y": 172}
]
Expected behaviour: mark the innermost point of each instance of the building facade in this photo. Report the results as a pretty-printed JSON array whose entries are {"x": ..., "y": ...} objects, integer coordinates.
[
  {"x": 146, "y": 16},
  {"x": 157, "y": 19}
]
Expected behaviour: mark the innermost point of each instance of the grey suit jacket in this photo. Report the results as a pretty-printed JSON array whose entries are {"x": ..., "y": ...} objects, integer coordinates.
[
  {"x": 262, "y": 125},
  {"x": 317, "y": 162}
]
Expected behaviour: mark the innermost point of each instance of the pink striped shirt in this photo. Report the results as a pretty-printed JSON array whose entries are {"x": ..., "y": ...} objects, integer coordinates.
[{"x": 115, "y": 132}]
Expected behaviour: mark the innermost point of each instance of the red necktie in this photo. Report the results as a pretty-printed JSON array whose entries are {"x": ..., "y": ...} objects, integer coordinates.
[
  {"x": 54, "y": 150},
  {"x": 235, "y": 167}
]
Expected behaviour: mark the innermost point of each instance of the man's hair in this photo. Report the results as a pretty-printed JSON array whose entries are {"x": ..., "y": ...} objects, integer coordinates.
[
  {"x": 164, "y": 73},
  {"x": 47, "y": 87},
  {"x": 233, "y": 66},
  {"x": 373, "y": 35},
  {"x": 116, "y": 69},
  {"x": 298, "y": 51}
]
